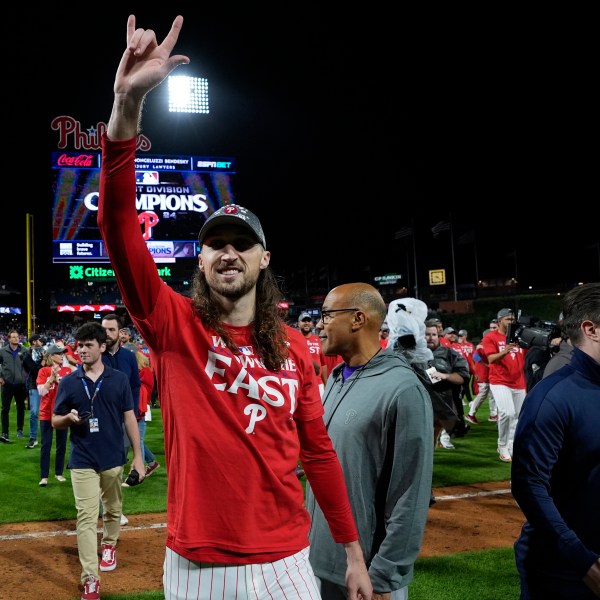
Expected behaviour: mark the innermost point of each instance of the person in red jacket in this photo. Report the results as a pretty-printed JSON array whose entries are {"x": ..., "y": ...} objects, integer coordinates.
[
  {"x": 47, "y": 382},
  {"x": 237, "y": 390}
]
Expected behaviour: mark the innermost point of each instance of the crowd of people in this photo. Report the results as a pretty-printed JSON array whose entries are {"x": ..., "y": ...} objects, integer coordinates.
[{"x": 246, "y": 399}]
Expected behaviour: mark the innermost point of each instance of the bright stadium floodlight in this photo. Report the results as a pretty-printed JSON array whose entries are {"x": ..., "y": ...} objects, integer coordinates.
[{"x": 188, "y": 94}]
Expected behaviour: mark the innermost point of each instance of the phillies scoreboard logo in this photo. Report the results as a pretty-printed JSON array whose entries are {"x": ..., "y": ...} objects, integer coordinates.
[{"x": 174, "y": 195}]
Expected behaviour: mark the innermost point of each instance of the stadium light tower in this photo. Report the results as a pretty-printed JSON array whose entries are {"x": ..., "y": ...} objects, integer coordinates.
[{"x": 188, "y": 94}]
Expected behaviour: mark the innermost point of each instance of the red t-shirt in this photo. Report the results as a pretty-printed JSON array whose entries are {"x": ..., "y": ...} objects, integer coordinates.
[
  {"x": 231, "y": 438},
  {"x": 316, "y": 353},
  {"x": 466, "y": 349},
  {"x": 331, "y": 361},
  {"x": 481, "y": 368},
  {"x": 510, "y": 370},
  {"x": 47, "y": 400}
]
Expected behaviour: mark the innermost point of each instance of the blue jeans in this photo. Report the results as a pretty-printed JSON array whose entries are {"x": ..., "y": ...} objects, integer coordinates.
[
  {"x": 147, "y": 453},
  {"x": 34, "y": 413}
]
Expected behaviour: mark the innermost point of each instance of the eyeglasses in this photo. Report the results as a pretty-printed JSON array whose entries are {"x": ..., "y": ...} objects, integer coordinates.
[{"x": 326, "y": 314}]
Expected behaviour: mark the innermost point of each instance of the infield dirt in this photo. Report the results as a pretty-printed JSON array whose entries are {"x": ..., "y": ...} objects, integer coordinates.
[{"x": 39, "y": 560}]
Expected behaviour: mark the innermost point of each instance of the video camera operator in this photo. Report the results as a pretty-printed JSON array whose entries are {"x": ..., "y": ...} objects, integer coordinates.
[
  {"x": 562, "y": 356},
  {"x": 541, "y": 339}
]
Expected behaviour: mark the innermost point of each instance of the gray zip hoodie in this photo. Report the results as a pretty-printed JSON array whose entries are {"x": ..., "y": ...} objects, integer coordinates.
[{"x": 380, "y": 421}]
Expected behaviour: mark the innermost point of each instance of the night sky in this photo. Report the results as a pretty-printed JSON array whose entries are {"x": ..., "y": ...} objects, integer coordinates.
[{"x": 344, "y": 132}]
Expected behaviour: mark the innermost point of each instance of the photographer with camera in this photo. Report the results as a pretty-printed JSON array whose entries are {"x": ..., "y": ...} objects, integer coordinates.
[
  {"x": 507, "y": 380},
  {"x": 538, "y": 358},
  {"x": 562, "y": 353}
]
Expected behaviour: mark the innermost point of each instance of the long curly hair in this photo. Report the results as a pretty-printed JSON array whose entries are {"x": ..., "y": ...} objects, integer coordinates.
[{"x": 269, "y": 334}]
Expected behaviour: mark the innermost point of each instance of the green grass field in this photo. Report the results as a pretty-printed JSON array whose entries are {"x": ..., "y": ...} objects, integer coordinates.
[{"x": 465, "y": 576}]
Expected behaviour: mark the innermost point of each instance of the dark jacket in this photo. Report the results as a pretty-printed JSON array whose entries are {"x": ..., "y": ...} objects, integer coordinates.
[
  {"x": 32, "y": 363},
  {"x": 123, "y": 360},
  {"x": 555, "y": 479},
  {"x": 11, "y": 365}
]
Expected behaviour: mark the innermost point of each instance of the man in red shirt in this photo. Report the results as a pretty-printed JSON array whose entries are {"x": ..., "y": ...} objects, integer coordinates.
[
  {"x": 237, "y": 392},
  {"x": 481, "y": 388},
  {"x": 466, "y": 348},
  {"x": 507, "y": 380},
  {"x": 305, "y": 326},
  {"x": 384, "y": 333}
]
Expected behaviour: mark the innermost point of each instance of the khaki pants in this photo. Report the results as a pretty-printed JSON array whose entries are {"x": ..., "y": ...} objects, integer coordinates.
[{"x": 89, "y": 487}]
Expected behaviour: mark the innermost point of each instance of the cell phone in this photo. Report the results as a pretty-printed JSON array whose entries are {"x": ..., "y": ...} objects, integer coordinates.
[{"x": 85, "y": 415}]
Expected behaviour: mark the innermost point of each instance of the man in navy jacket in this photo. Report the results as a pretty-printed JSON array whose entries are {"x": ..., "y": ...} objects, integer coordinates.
[
  {"x": 121, "y": 359},
  {"x": 556, "y": 466}
]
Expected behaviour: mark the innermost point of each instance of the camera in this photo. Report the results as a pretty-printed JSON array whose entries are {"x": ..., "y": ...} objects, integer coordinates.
[
  {"x": 529, "y": 332},
  {"x": 132, "y": 479}
]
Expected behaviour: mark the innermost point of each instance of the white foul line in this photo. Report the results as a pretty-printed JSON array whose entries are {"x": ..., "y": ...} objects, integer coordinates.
[
  {"x": 472, "y": 495},
  {"x": 49, "y": 534}
]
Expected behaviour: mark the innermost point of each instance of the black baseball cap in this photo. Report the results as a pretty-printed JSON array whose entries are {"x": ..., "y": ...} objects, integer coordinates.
[{"x": 234, "y": 214}]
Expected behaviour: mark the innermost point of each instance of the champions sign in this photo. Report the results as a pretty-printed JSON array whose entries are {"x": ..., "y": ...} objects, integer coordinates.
[{"x": 174, "y": 196}]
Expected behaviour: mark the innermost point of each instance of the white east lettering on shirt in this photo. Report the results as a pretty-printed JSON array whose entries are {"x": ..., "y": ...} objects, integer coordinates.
[
  {"x": 314, "y": 347},
  {"x": 278, "y": 398},
  {"x": 211, "y": 368},
  {"x": 292, "y": 385},
  {"x": 270, "y": 388},
  {"x": 245, "y": 381}
]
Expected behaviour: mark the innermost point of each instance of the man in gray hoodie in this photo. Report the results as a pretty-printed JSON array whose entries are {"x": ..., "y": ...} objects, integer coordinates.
[{"x": 380, "y": 420}]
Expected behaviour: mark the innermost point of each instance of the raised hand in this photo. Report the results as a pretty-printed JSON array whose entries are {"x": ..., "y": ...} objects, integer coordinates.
[{"x": 144, "y": 65}]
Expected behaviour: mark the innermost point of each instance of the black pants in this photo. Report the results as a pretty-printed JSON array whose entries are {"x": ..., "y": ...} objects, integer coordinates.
[{"x": 19, "y": 393}]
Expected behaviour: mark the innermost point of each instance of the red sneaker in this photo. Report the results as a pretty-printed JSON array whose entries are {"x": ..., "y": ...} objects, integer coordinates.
[
  {"x": 472, "y": 419},
  {"x": 91, "y": 589},
  {"x": 151, "y": 467},
  {"x": 109, "y": 558}
]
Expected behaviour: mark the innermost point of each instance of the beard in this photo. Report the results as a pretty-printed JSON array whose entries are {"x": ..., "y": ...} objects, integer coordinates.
[
  {"x": 232, "y": 290},
  {"x": 110, "y": 344}
]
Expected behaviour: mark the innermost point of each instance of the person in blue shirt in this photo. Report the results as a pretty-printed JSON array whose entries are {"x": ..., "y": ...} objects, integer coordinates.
[
  {"x": 94, "y": 401},
  {"x": 556, "y": 466}
]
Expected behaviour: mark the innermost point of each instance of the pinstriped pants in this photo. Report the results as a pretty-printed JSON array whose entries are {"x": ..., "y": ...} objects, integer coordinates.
[
  {"x": 509, "y": 402},
  {"x": 290, "y": 578}
]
